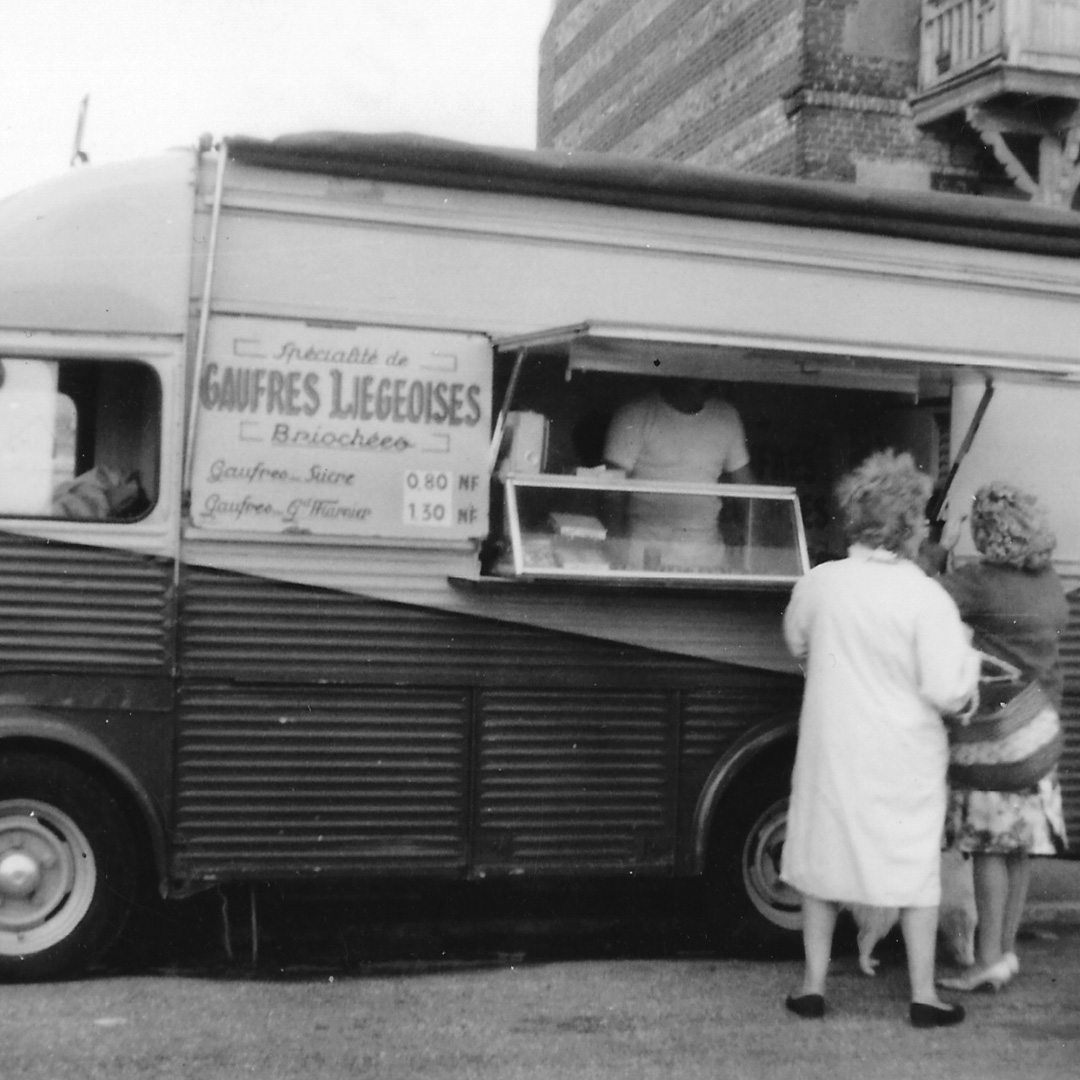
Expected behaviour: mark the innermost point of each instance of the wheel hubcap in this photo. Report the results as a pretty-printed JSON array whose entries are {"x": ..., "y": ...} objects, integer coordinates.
[
  {"x": 778, "y": 902},
  {"x": 19, "y": 875},
  {"x": 47, "y": 876}
]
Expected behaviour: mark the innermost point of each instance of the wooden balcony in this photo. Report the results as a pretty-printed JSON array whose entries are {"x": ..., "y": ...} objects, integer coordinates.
[{"x": 992, "y": 53}]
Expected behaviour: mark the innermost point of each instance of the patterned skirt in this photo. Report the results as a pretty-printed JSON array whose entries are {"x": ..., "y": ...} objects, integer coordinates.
[{"x": 1007, "y": 822}]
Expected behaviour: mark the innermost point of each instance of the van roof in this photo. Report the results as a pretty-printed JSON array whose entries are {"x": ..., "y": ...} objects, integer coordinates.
[
  {"x": 976, "y": 221},
  {"x": 114, "y": 241}
]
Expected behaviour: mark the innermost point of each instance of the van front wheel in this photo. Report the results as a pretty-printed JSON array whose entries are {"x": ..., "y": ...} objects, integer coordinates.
[
  {"x": 751, "y": 911},
  {"x": 68, "y": 873}
]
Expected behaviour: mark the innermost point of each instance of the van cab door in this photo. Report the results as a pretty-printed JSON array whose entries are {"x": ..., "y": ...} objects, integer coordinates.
[{"x": 89, "y": 475}]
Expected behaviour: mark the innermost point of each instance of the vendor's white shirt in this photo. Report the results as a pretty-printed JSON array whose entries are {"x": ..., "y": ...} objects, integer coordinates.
[{"x": 653, "y": 440}]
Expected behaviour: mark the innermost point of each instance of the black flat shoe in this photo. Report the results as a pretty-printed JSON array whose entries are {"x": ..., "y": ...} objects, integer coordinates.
[
  {"x": 808, "y": 1006},
  {"x": 931, "y": 1016}
]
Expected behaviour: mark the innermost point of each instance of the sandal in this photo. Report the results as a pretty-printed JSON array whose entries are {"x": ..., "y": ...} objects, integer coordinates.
[{"x": 985, "y": 980}]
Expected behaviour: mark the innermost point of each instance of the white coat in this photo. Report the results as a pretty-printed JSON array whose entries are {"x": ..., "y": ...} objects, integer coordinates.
[{"x": 885, "y": 653}]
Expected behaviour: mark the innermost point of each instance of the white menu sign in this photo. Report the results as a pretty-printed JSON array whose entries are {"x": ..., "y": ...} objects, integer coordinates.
[{"x": 330, "y": 430}]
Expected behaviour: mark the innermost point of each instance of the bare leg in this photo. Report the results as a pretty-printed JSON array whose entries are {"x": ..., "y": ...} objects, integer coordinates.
[
  {"x": 819, "y": 922},
  {"x": 991, "y": 890},
  {"x": 1018, "y": 867},
  {"x": 919, "y": 927}
]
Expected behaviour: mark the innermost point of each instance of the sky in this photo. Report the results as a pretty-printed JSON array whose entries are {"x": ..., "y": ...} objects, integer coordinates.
[{"x": 160, "y": 73}]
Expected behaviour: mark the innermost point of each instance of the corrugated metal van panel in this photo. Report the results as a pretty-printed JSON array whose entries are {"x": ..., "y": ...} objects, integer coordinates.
[
  {"x": 67, "y": 608},
  {"x": 712, "y": 720},
  {"x": 574, "y": 753},
  {"x": 250, "y": 629},
  {"x": 1069, "y": 770},
  {"x": 738, "y": 627},
  {"x": 575, "y": 779},
  {"x": 321, "y": 780}
]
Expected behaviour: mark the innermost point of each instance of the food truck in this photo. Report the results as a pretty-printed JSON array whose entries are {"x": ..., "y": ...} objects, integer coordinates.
[{"x": 311, "y": 563}]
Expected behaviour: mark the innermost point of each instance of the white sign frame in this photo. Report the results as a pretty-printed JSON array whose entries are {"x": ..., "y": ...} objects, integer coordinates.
[{"x": 342, "y": 431}]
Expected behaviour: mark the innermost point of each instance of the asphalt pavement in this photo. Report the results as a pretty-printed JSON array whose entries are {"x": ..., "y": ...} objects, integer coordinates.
[
  {"x": 574, "y": 1016},
  {"x": 491, "y": 983}
]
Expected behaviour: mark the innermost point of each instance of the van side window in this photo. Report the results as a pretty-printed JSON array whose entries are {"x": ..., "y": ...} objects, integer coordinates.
[{"x": 79, "y": 439}]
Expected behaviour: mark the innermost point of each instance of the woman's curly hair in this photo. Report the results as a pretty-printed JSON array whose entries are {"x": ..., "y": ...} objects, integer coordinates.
[
  {"x": 883, "y": 502},
  {"x": 1009, "y": 527}
]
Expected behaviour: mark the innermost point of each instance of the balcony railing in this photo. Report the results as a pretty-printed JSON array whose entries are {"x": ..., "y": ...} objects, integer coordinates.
[{"x": 960, "y": 36}]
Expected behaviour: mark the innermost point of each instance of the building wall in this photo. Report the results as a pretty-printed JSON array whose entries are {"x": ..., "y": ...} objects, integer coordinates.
[
  {"x": 811, "y": 88},
  {"x": 684, "y": 80},
  {"x": 861, "y": 66},
  {"x": 863, "y": 46}
]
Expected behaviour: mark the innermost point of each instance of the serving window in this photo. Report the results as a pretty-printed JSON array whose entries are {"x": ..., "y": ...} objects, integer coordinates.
[{"x": 566, "y": 512}]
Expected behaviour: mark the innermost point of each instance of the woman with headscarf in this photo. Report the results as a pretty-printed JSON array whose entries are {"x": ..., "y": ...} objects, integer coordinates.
[
  {"x": 885, "y": 654},
  {"x": 1014, "y": 601}
]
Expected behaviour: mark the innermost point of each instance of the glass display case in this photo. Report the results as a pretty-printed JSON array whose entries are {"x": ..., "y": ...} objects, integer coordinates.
[{"x": 602, "y": 527}]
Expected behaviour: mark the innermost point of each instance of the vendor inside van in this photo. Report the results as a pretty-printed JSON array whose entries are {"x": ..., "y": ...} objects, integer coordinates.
[{"x": 681, "y": 431}]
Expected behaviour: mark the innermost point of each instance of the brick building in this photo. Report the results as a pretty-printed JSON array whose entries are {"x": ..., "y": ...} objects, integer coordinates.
[{"x": 828, "y": 89}]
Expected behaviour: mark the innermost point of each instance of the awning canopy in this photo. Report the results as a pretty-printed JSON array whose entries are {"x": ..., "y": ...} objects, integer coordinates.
[{"x": 707, "y": 354}]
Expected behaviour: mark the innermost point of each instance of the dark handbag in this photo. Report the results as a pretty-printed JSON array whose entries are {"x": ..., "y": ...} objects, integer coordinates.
[{"x": 1013, "y": 739}]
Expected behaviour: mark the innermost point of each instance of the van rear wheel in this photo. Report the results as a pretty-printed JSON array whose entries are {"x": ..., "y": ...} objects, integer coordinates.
[
  {"x": 68, "y": 874},
  {"x": 751, "y": 911}
]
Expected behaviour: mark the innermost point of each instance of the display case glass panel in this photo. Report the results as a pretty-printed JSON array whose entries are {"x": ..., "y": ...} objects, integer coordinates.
[{"x": 604, "y": 528}]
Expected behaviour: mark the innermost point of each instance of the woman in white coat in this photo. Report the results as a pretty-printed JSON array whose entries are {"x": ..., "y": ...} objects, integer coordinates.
[{"x": 885, "y": 654}]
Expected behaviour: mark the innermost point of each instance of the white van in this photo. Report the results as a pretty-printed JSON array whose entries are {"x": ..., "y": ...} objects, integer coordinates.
[{"x": 308, "y": 567}]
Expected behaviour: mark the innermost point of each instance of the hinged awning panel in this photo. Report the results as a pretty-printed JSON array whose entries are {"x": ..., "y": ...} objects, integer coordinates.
[{"x": 690, "y": 353}]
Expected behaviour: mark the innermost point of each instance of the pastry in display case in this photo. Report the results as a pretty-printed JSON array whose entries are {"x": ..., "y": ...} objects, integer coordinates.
[{"x": 601, "y": 526}]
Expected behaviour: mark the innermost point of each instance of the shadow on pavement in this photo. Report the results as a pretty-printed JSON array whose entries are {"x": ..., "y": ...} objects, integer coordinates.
[
  {"x": 276, "y": 931},
  {"x": 281, "y": 931}
]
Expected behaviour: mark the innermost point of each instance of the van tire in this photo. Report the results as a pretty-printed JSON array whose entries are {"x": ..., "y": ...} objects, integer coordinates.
[
  {"x": 68, "y": 869},
  {"x": 751, "y": 912}
]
